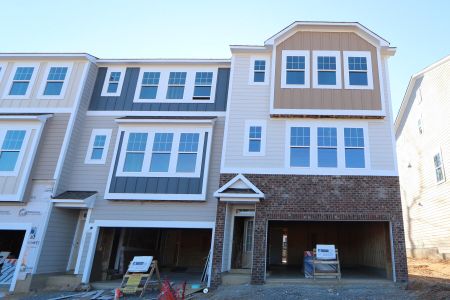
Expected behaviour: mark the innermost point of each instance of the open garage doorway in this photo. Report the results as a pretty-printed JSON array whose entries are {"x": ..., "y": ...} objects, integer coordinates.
[
  {"x": 11, "y": 245},
  {"x": 182, "y": 253},
  {"x": 364, "y": 247}
]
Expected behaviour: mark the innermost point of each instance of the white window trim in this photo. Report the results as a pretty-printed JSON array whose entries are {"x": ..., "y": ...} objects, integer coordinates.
[
  {"x": 122, "y": 71},
  {"x": 248, "y": 124},
  {"x": 339, "y": 125},
  {"x": 252, "y": 70},
  {"x": 3, "y": 131},
  {"x": 336, "y": 54},
  {"x": 3, "y": 67},
  {"x": 161, "y": 94},
  {"x": 102, "y": 160},
  {"x": 304, "y": 53},
  {"x": 356, "y": 147},
  {"x": 368, "y": 57},
  {"x": 8, "y": 86},
  {"x": 439, "y": 151},
  {"x": 173, "y": 155},
  {"x": 65, "y": 83}
]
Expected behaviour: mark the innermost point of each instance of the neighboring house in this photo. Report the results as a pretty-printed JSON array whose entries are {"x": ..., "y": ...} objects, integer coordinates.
[
  {"x": 309, "y": 156},
  {"x": 423, "y": 149},
  {"x": 144, "y": 164},
  {"x": 40, "y": 95}
]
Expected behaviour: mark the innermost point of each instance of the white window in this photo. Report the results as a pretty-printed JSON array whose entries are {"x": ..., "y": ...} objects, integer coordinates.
[
  {"x": 98, "y": 146},
  {"x": 327, "y": 147},
  {"x": 295, "y": 69},
  {"x": 113, "y": 81},
  {"x": 255, "y": 138},
  {"x": 162, "y": 152},
  {"x": 56, "y": 79},
  {"x": 13, "y": 143},
  {"x": 327, "y": 69},
  {"x": 148, "y": 83},
  {"x": 358, "y": 70},
  {"x": 175, "y": 89},
  {"x": 439, "y": 167},
  {"x": 354, "y": 148},
  {"x": 300, "y": 144},
  {"x": 258, "y": 71},
  {"x": 21, "y": 81},
  {"x": 203, "y": 84}
]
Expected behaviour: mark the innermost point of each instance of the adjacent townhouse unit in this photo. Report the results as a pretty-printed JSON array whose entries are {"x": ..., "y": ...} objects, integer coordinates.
[
  {"x": 144, "y": 165},
  {"x": 309, "y": 156},
  {"x": 40, "y": 96},
  {"x": 422, "y": 131}
]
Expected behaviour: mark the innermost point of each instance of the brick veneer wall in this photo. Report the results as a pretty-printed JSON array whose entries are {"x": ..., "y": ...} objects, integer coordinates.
[{"x": 317, "y": 198}]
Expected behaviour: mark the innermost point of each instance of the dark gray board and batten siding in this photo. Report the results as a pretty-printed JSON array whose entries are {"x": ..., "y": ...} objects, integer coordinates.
[
  {"x": 158, "y": 185},
  {"x": 124, "y": 102}
]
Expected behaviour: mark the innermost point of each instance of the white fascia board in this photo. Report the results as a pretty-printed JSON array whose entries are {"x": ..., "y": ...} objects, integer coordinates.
[
  {"x": 238, "y": 200},
  {"x": 40, "y": 118},
  {"x": 125, "y": 113},
  {"x": 328, "y": 112},
  {"x": 103, "y": 62},
  {"x": 87, "y": 56},
  {"x": 247, "y": 182},
  {"x": 153, "y": 197},
  {"x": 310, "y": 171},
  {"x": 165, "y": 121}
]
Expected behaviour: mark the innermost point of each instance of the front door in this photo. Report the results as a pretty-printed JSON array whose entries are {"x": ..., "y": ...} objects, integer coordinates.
[{"x": 247, "y": 253}]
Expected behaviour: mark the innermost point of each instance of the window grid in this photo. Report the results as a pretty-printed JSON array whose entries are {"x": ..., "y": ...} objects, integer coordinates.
[
  {"x": 255, "y": 139},
  {"x": 187, "y": 152},
  {"x": 21, "y": 80},
  {"x": 98, "y": 147},
  {"x": 327, "y": 146},
  {"x": 175, "y": 89},
  {"x": 149, "y": 85},
  {"x": 354, "y": 148},
  {"x": 300, "y": 146},
  {"x": 203, "y": 83},
  {"x": 162, "y": 148},
  {"x": 439, "y": 168},
  {"x": 55, "y": 81},
  {"x": 358, "y": 72},
  {"x": 295, "y": 69},
  {"x": 12, "y": 144},
  {"x": 326, "y": 68},
  {"x": 135, "y": 152},
  {"x": 113, "y": 83},
  {"x": 259, "y": 70}
]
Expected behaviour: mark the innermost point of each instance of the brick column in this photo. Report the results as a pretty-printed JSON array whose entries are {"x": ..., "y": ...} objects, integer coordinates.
[
  {"x": 259, "y": 246},
  {"x": 216, "y": 279},
  {"x": 398, "y": 241}
]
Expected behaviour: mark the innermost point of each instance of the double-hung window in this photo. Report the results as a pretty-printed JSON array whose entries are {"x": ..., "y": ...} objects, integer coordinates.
[
  {"x": 10, "y": 151},
  {"x": 354, "y": 148},
  {"x": 162, "y": 148},
  {"x": 55, "y": 81},
  {"x": 187, "y": 152},
  {"x": 358, "y": 70},
  {"x": 300, "y": 143},
  {"x": 203, "y": 83},
  {"x": 21, "y": 81},
  {"x": 327, "y": 147},
  {"x": 254, "y": 139},
  {"x": 259, "y": 71},
  {"x": 98, "y": 146},
  {"x": 175, "y": 89},
  {"x": 113, "y": 81},
  {"x": 295, "y": 69},
  {"x": 149, "y": 85},
  {"x": 135, "y": 152},
  {"x": 439, "y": 167},
  {"x": 327, "y": 69}
]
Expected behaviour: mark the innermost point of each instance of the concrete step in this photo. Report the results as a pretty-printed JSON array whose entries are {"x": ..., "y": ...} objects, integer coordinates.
[
  {"x": 235, "y": 279},
  {"x": 240, "y": 271}
]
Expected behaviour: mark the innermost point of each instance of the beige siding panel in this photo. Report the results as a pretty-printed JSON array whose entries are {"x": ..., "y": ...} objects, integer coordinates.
[
  {"x": 50, "y": 147},
  {"x": 311, "y": 98},
  {"x": 34, "y": 101},
  {"x": 380, "y": 145},
  {"x": 11, "y": 184},
  {"x": 426, "y": 204}
]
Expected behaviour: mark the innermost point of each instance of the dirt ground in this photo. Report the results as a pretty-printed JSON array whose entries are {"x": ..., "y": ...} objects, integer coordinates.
[{"x": 429, "y": 279}]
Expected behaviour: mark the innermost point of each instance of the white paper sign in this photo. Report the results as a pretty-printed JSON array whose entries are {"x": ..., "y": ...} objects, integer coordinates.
[
  {"x": 325, "y": 252},
  {"x": 140, "y": 264}
]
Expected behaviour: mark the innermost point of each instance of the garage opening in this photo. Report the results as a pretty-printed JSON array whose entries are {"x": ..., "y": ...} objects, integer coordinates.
[
  {"x": 364, "y": 247},
  {"x": 10, "y": 245},
  {"x": 181, "y": 253}
]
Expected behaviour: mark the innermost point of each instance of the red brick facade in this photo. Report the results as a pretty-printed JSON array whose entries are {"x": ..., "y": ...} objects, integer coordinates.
[{"x": 317, "y": 198}]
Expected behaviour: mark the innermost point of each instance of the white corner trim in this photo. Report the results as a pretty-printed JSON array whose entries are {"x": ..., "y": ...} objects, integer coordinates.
[
  {"x": 368, "y": 57},
  {"x": 315, "y": 73},
  {"x": 307, "y": 70},
  {"x": 69, "y": 66},
  {"x": 8, "y": 85},
  {"x": 227, "y": 113},
  {"x": 94, "y": 133},
  {"x": 3, "y": 66},
  {"x": 252, "y": 70},
  {"x": 263, "y": 125},
  {"x": 122, "y": 71}
]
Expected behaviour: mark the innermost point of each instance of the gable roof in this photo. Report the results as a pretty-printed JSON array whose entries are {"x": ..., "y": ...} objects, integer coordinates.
[
  {"x": 239, "y": 187},
  {"x": 413, "y": 85}
]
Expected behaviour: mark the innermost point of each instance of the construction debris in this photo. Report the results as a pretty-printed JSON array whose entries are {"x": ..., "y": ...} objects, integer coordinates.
[{"x": 93, "y": 295}]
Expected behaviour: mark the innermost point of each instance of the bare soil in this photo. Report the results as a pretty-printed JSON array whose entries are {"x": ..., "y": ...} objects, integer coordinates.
[{"x": 429, "y": 279}]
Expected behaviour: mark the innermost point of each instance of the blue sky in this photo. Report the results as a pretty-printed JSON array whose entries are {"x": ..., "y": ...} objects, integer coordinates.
[{"x": 204, "y": 29}]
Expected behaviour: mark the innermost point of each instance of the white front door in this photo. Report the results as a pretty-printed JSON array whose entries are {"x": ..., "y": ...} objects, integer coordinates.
[{"x": 247, "y": 253}]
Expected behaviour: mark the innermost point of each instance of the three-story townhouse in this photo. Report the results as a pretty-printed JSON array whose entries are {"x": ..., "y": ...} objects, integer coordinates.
[
  {"x": 144, "y": 166},
  {"x": 40, "y": 97},
  {"x": 309, "y": 157}
]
